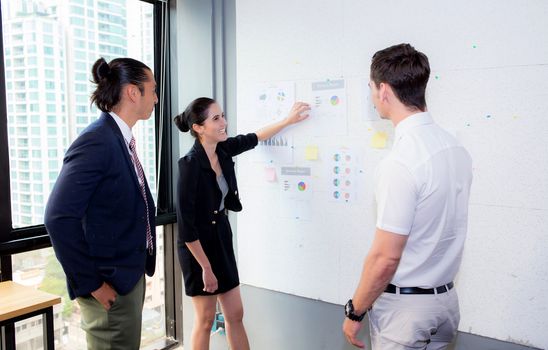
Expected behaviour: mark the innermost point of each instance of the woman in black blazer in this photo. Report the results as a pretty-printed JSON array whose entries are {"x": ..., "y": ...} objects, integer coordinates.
[{"x": 206, "y": 190}]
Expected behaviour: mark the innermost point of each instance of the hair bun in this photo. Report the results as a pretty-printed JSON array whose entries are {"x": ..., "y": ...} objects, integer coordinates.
[
  {"x": 103, "y": 70},
  {"x": 181, "y": 121}
]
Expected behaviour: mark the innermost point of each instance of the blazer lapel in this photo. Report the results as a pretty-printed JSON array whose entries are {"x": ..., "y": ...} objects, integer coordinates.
[
  {"x": 201, "y": 155},
  {"x": 127, "y": 157},
  {"x": 227, "y": 166}
]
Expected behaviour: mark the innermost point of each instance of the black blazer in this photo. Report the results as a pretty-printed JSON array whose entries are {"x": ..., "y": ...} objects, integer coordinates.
[
  {"x": 198, "y": 194},
  {"x": 95, "y": 213}
]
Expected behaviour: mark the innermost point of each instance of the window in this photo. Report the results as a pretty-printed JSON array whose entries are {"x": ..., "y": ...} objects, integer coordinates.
[
  {"x": 48, "y": 28},
  {"x": 81, "y": 66},
  {"x": 76, "y": 21},
  {"x": 76, "y": 10},
  {"x": 57, "y": 67}
]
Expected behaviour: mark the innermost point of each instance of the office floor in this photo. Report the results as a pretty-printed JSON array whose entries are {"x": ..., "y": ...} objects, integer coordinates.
[{"x": 277, "y": 321}]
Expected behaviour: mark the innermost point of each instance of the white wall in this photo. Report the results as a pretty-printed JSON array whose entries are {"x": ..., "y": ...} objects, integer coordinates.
[{"x": 489, "y": 86}]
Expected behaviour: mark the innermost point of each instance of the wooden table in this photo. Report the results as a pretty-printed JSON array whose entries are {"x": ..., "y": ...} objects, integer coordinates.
[{"x": 18, "y": 302}]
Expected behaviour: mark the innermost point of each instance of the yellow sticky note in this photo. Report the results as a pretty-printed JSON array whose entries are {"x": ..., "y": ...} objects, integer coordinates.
[
  {"x": 379, "y": 140},
  {"x": 311, "y": 153},
  {"x": 270, "y": 174}
]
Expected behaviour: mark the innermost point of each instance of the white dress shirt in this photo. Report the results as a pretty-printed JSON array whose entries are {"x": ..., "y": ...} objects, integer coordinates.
[
  {"x": 422, "y": 191},
  {"x": 128, "y": 135}
]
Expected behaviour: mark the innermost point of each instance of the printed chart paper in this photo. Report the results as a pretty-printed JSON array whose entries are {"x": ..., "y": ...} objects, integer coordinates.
[
  {"x": 328, "y": 112},
  {"x": 296, "y": 190},
  {"x": 273, "y": 100},
  {"x": 277, "y": 150},
  {"x": 342, "y": 176}
]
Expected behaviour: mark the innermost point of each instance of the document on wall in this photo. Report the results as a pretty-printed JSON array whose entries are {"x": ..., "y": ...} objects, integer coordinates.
[
  {"x": 342, "y": 176},
  {"x": 273, "y": 100},
  {"x": 276, "y": 150},
  {"x": 296, "y": 192},
  {"x": 328, "y": 113}
]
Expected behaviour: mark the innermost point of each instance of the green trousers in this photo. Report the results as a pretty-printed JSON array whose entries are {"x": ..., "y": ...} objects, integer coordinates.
[{"x": 116, "y": 329}]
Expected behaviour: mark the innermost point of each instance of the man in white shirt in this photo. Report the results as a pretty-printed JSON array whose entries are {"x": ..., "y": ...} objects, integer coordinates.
[{"x": 422, "y": 195}]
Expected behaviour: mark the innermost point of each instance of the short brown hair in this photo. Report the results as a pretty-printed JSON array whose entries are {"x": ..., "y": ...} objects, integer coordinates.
[{"x": 406, "y": 70}]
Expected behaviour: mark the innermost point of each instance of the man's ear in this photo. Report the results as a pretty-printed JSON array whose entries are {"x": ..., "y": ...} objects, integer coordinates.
[
  {"x": 384, "y": 91},
  {"x": 132, "y": 92}
]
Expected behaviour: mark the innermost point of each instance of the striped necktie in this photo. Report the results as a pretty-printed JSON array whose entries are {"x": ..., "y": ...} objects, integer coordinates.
[{"x": 141, "y": 176}]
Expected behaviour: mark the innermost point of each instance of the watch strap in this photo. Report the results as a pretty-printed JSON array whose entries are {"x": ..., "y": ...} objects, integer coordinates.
[{"x": 349, "y": 312}]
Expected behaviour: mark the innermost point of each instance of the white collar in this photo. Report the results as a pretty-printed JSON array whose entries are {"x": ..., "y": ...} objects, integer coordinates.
[
  {"x": 412, "y": 121},
  {"x": 124, "y": 128}
]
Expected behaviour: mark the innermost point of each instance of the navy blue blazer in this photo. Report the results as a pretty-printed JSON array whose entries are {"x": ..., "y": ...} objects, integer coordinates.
[{"x": 95, "y": 214}]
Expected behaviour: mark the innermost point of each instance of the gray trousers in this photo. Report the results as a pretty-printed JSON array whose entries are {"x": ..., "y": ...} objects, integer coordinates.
[
  {"x": 404, "y": 322},
  {"x": 116, "y": 329}
]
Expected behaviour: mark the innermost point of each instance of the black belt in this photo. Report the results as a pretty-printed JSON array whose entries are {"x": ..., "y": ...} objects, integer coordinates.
[{"x": 416, "y": 290}]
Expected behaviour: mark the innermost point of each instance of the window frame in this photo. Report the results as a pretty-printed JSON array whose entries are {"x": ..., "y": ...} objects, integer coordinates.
[
  {"x": 14, "y": 241},
  {"x": 33, "y": 237}
]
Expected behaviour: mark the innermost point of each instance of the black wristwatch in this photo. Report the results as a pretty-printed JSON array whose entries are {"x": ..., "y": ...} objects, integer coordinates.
[{"x": 349, "y": 312}]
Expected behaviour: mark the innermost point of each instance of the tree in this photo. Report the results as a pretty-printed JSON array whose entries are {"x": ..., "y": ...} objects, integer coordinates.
[{"x": 54, "y": 282}]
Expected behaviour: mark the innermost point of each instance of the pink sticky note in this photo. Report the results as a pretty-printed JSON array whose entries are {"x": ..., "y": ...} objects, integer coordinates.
[{"x": 270, "y": 174}]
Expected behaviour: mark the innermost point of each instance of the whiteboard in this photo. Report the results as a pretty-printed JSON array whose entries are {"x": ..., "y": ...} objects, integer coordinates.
[{"x": 489, "y": 87}]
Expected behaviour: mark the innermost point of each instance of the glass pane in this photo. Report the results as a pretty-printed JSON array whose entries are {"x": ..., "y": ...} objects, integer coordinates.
[
  {"x": 40, "y": 269},
  {"x": 154, "y": 316},
  {"x": 48, "y": 58},
  {"x": 49, "y": 49}
]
